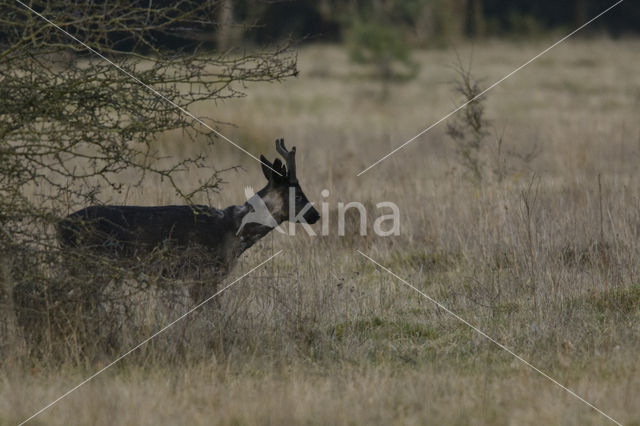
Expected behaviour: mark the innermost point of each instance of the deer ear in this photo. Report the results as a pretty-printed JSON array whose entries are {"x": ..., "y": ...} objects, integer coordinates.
[
  {"x": 279, "y": 167},
  {"x": 266, "y": 168}
]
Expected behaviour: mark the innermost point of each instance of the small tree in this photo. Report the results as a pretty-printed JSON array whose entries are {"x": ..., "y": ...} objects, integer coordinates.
[
  {"x": 469, "y": 128},
  {"x": 377, "y": 37},
  {"x": 472, "y": 132},
  {"x": 75, "y": 130}
]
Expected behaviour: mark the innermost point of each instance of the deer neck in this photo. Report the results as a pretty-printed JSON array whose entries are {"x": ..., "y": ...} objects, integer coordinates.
[{"x": 259, "y": 216}]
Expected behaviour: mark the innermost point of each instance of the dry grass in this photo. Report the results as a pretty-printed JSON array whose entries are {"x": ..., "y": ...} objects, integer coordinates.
[{"x": 321, "y": 336}]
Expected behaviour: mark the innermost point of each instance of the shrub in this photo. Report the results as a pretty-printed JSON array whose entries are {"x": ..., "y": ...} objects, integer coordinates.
[{"x": 75, "y": 130}]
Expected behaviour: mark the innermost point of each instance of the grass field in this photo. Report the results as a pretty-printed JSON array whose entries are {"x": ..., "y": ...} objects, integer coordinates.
[{"x": 546, "y": 260}]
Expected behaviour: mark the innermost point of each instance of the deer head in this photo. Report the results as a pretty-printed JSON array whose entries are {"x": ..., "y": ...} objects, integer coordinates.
[{"x": 283, "y": 194}]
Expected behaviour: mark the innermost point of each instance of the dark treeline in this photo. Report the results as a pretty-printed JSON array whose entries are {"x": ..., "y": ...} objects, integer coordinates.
[
  {"x": 415, "y": 23},
  {"x": 423, "y": 22}
]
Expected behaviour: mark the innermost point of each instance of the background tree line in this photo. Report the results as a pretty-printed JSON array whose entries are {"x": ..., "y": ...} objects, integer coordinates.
[{"x": 424, "y": 23}]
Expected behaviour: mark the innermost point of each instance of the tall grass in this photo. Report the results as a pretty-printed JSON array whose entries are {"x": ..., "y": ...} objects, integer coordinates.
[{"x": 544, "y": 260}]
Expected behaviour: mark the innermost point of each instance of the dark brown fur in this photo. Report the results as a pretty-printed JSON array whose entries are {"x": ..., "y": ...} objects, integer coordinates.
[{"x": 129, "y": 231}]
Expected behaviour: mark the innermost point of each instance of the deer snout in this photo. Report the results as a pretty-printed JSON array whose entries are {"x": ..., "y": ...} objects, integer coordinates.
[{"x": 312, "y": 216}]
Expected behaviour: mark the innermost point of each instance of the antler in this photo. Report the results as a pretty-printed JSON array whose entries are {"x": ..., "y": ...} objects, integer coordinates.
[{"x": 289, "y": 157}]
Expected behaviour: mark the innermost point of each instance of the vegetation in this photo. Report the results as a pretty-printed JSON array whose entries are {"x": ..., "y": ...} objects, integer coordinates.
[
  {"x": 76, "y": 130},
  {"x": 429, "y": 23},
  {"x": 540, "y": 254},
  {"x": 321, "y": 332},
  {"x": 377, "y": 40},
  {"x": 482, "y": 152}
]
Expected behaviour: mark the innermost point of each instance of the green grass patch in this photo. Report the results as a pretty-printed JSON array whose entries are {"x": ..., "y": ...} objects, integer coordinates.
[
  {"x": 622, "y": 300},
  {"x": 436, "y": 261},
  {"x": 379, "y": 329}
]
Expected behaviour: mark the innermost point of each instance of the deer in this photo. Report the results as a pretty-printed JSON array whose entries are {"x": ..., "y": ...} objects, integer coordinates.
[{"x": 222, "y": 235}]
